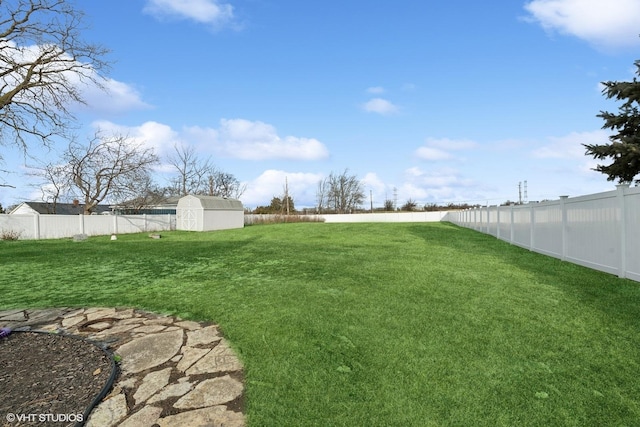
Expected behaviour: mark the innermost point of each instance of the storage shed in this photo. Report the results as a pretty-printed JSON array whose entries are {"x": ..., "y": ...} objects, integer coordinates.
[{"x": 206, "y": 213}]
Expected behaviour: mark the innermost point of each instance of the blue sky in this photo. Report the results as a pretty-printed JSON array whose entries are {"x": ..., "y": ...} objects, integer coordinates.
[{"x": 443, "y": 101}]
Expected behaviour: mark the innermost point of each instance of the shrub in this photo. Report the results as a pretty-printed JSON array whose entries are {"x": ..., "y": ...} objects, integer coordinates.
[
  {"x": 279, "y": 219},
  {"x": 10, "y": 234}
]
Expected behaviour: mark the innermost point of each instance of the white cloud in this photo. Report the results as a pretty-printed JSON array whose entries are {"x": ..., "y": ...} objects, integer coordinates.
[
  {"x": 113, "y": 97},
  {"x": 380, "y": 106},
  {"x": 440, "y": 149},
  {"x": 255, "y": 140},
  {"x": 156, "y": 135},
  {"x": 452, "y": 144},
  {"x": 373, "y": 182},
  {"x": 376, "y": 90},
  {"x": 409, "y": 87},
  {"x": 211, "y": 12},
  {"x": 605, "y": 24},
  {"x": 432, "y": 154},
  {"x": 440, "y": 185},
  {"x": 375, "y": 189},
  {"x": 116, "y": 97},
  {"x": 570, "y": 146},
  {"x": 237, "y": 138},
  {"x": 302, "y": 188}
]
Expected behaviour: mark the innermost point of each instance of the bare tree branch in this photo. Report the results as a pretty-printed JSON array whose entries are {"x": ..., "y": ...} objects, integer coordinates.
[
  {"x": 191, "y": 171},
  {"x": 340, "y": 193},
  {"x": 43, "y": 64},
  {"x": 55, "y": 185},
  {"x": 107, "y": 165}
]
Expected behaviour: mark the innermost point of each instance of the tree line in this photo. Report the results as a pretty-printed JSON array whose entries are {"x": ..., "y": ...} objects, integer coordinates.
[{"x": 119, "y": 169}]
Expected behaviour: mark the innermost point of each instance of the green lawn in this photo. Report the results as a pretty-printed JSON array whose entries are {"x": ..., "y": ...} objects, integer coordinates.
[{"x": 371, "y": 324}]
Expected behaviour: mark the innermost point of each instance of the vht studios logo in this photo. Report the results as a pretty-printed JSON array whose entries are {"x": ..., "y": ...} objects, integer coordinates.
[{"x": 42, "y": 418}]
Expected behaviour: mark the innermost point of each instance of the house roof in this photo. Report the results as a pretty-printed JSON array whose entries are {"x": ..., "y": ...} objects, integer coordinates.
[{"x": 60, "y": 208}]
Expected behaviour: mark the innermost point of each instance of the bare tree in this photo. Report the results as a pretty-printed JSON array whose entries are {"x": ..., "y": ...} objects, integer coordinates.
[
  {"x": 322, "y": 192},
  {"x": 55, "y": 184},
  {"x": 341, "y": 193},
  {"x": 192, "y": 172},
  {"x": 133, "y": 195},
  {"x": 199, "y": 176},
  {"x": 224, "y": 184},
  {"x": 107, "y": 165},
  {"x": 43, "y": 63}
]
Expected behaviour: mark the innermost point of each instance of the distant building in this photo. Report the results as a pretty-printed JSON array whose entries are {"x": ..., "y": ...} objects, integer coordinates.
[
  {"x": 157, "y": 207},
  {"x": 44, "y": 208}
]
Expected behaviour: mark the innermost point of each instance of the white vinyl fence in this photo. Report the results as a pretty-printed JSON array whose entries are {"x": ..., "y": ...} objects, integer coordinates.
[
  {"x": 60, "y": 226},
  {"x": 358, "y": 217},
  {"x": 600, "y": 231},
  {"x": 386, "y": 217}
]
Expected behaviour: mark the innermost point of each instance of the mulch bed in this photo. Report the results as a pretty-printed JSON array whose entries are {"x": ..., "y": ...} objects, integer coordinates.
[{"x": 49, "y": 375}]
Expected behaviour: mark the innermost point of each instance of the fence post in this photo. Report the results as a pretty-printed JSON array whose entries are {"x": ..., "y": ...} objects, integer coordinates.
[
  {"x": 511, "y": 226},
  {"x": 488, "y": 219},
  {"x": 532, "y": 227},
  {"x": 565, "y": 227},
  {"x": 81, "y": 223},
  {"x": 115, "y": 224},
  {"x": 144, "y": 217},
  {"x": 475, "y": 219},
  {"x": 498, "y": 222},
  {"x": 36, "y": 226},
  {"x": 622, "y": 189}
]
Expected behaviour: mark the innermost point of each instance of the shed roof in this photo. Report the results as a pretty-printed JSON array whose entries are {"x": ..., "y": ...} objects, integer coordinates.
[{"x": 213, "y": 203}]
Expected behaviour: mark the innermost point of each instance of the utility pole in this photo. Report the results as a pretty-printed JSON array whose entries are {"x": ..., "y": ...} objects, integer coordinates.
[
  {"x": 395, "y": 197},
  {"x": 286, "y": 192},
  {"x": 520, "y": 193},
  {"x": 371, "y": 198}
]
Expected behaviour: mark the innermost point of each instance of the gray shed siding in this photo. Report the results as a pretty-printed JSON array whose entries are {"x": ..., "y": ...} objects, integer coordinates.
[{"x": 208, "y": 213}]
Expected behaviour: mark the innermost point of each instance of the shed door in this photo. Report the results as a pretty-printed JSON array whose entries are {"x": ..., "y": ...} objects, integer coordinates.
[{"x": 189, "y": 217}]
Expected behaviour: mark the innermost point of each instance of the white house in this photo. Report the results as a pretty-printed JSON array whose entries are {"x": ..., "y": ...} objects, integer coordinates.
[{"x": 44, "y": 208}]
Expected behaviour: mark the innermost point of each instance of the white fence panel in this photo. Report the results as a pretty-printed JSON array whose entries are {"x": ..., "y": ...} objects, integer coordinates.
[
  {"x": 632, "y": 233},
  {"x": 522, "y": 226},
  {"x": 504, "y": 225},
  {"x": 600, "y": 231},
  {"x": 547, "y": 231},
  {"x": 61, "y": 226},
  {"x": 57, "y": 226},
  {"x": 23, "y": 225},
  {"x": 386, "y": 217},
  {"x": 593, "y": 231},
  {"x": 492, "y": 221}
]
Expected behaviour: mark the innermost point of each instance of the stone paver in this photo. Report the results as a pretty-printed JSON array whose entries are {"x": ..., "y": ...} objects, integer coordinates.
[
  {"x": 173, "y": 372},
  {"x": 216, "y": 416},
  {"x": 191, "y": 356},
  {"x": 151, "y": 384},
  {"x": 109, "y": 413},
  {"x": 204, "y": 336},
  {"x": 220, "y": 359},
  {"x": 174, "y": 390},
  {"x": 211, "y": 393},
  {"x": 150, "y": 351}
]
